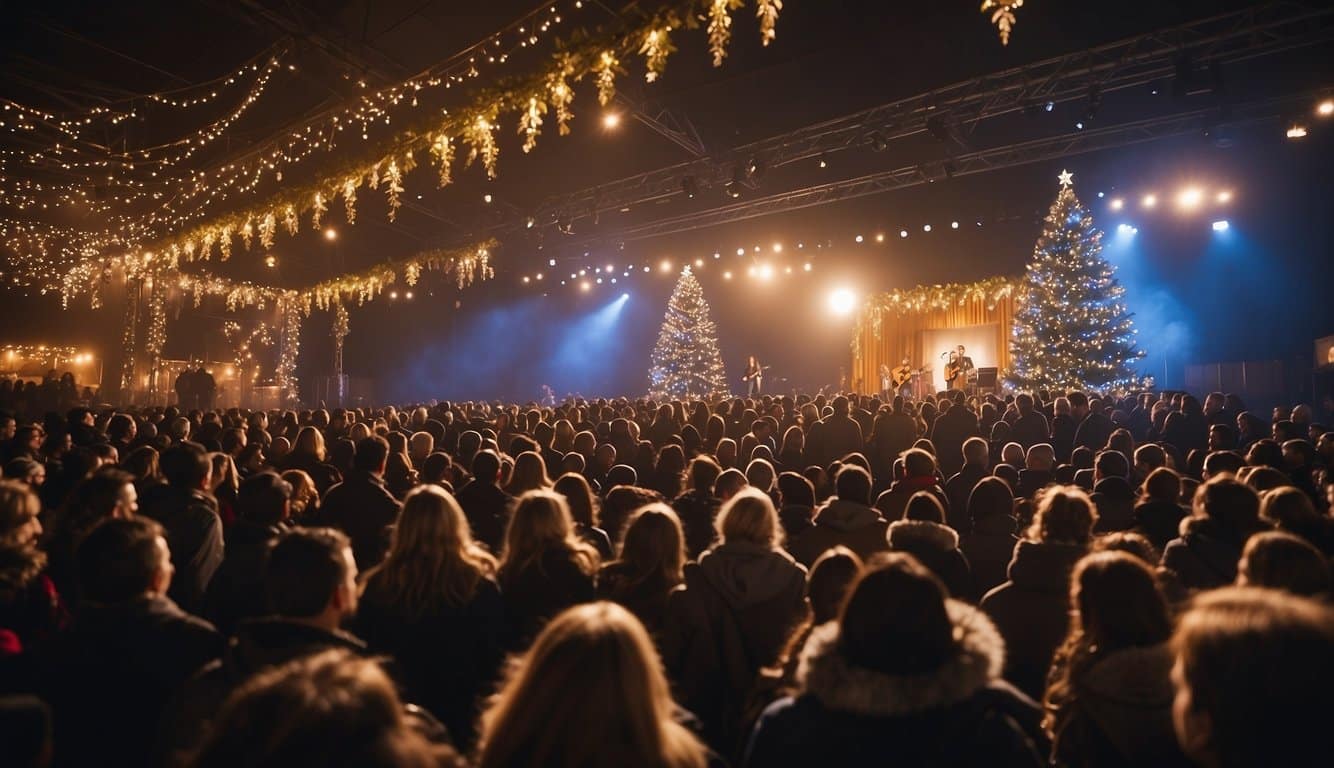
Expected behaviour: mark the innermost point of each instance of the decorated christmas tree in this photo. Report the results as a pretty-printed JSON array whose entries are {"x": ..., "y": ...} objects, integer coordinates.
[
  {"x": 686, "y": 361},
  {"x": 1072, "y": 329}
]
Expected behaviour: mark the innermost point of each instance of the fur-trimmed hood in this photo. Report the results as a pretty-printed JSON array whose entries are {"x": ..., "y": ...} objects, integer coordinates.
[
  {"x": 978, "y": 659},
  {"x": 913, "y": 534}
]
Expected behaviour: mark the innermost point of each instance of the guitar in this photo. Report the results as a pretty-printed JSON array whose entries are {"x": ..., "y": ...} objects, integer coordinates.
[
  {"x": 750, "y": 376},
  {"x": 952, "y": 372},
  {"x": 901, "y": 376}
]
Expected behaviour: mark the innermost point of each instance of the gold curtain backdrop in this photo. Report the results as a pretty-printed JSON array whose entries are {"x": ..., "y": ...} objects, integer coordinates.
[{"x": 889, "y": 325}]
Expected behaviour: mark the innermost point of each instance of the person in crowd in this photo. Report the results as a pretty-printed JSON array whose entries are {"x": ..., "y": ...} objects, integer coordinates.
[
  {"x": 1280, "y": 560},
  {"x": 1093, "y": 427},
  {"x": 1109, "y": 693},
  {"x": 1038, "y": 471},
  {"x": 742, "y": 600},
  {"x": 834, "y": 436},
  {"x": 30, "y": 608},
  {"x": 650, "y": 568},
  {"x": 545, "y": 567},
  {"x": 847, "y": 519},
  {"x": 584, "y": 509},
  {"x": 1223, "y": 515},
  {"x": 530, "y": 474},
  {"x": 950, "y": 430},
  {"x": 189, "y": 514},
  {"x": 1288, "y": 508},
  {"x": 1113, "y": 494},
  {"x": 308, "y": 455},
  {"x": 1252, "y": 678},
  {"x": 434, "y": 606},
  {"x": 330, "y": 708},
  {"x": 797, "y": 509},
  {"x": 310, "y": 590},
  {"x": 923, "y": 534},
  {"x": 1031, "y": 608},
  {"x": 486, "y": 505},
  {"x": 919, "y": 474},
  {"x": 128, "y": 649},
  {"x": 589, "y": 692},
  {"x": 1030, "y": 425},
  {"x": 361, "y": 506},
  {"x": 827, "y": 585},
  {"x": 236, "y": 591},
  {"x": 107, "y": 493},
  {"x": 1157, "y": 514},
  {"x": 305, "y": 501},
  {"x": 27, "y": 471},
  {"x": 904, "y": 676},
  {"x": 976, "y": 465},
  {"x": 990, "y": 539}
]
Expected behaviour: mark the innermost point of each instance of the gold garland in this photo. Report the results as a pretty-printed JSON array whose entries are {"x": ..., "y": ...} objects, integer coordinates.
[
  {"x": 929, "y": 298},
  {"x": 1003, "y": 16}
]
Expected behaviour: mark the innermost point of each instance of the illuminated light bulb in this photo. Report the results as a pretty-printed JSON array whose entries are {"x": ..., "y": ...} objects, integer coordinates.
[
  {"x": 486, "y": 198},
  {"x": 1190, "y": 198},
  {"x": 741, "y": 251},
  {"x": 1325, "y": 108},
  {"x": 407, "y": 295},
  {"x": 1296, "y": 131},
  {"x": 330, "y": 234},
  {"x": 778, "y": 247},
  {"x": 666, "y": 265},
  {"x": 903, "y": 233},
  {"x": 1116, "y": 204},
  {"x": 858, "y": 238},
  {"x": 525, "y": 278},
  {"x": 270, "y": 261},
  {"x": 880, "y": 237},
  {"x": 1150, "y": 201},
  {"x": 954, "y": 225},
  {"x": 806, "y": 266},
  {"x": 611, "y": 120},
  {"x": 1224, "y": 197},
  {"x": 727, "y": 275},
  {"x": 926, "y": 227},
  {"x": 699, "y": 262}
]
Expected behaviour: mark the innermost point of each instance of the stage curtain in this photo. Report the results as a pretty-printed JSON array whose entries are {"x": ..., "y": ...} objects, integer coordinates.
[{"x": 889, "y": 326}]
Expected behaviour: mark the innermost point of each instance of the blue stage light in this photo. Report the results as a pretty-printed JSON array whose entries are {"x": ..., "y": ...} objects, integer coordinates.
[{"x": 1221, "y": 225}]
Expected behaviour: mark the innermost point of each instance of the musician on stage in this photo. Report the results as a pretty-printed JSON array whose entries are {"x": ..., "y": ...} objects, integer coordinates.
[
  {"x": 885, "y": 380},
  {"x": 954, "y": 376},
  {"x": 754, "y": 377},
  {"x": 901, "y": 377}
]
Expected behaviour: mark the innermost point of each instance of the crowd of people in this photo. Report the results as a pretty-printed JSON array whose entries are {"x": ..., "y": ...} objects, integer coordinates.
[{"x": 1043, "y": 578}]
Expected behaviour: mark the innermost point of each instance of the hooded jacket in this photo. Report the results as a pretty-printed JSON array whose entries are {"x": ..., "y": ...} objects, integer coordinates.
[
  {"x": 740, "y": 604},
  {"x": 960, "y": 713},
  {"x": 1031, "y": 609},
  {"x": 1204, "y": 556},
  {"x": 989, "y": 548},
  {"x": 1123, "y": 712},
  {"x": 855, "y": 526},
  {"x": 937, "y": 547}
]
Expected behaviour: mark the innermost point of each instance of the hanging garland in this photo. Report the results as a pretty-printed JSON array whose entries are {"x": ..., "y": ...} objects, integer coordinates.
[
  {"x": 929, "y": 298},
  {"x": 1003, "y": 16},
  {"x": 156, "y": 338},
  {"x": 285, "y": 373}
]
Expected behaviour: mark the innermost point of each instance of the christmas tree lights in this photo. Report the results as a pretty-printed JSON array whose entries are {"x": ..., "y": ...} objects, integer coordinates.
[
  {"x": 686, "y": 361},
  {"x": 1073, "y": 330}
]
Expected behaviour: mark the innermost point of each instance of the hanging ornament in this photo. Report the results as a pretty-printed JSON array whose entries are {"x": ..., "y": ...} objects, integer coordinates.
[
  {"x": 225, "y": 242},
  {"x": 720, "y": 28},
  {"x": 411, "y": 272},
  {"x": 189, "y": 249},
  {"x": 318, "y": 209},
  {"x": 530, "y": 123},
  {"x": 267, "y": 226},
  {"x": 561, "y": 95},
  {"x": 607, "y": 68},
  {"x": 290, "y": 220},
  {"x": 767, "y": 12},
  {"x": 480, "y": 134},
  {"x": 657, "y": 46},
  {"x": 374, "y": 181},
  {"x": 206, "y": 243},
  {"x": 1003, "y": 16},
  {"x": 247, "y": 232},
  {"x": 350, "y": 198},
  {"x": 442, "y": 149},
  {"x": 393, "y": 187}
]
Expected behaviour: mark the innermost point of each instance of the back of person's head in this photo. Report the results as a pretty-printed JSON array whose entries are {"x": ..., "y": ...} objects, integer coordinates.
[
  {"x": 579, "y": 496},
  {"x": 760, "y": 474},
  {"x": 589, "y": 692},
  {"x": 1040, "y": 457},
  {"x": 331, "y": 708},
  {"x": 1111, "y": 463},
  {"x": 1288, "y": 508},
  {"x": 749, "y": 517},
  {"x": 1234, "y": 506},
  {"x": 852, "y": 483},
  {"x": 1065, "y": 515},
  {"x": 432, "y": 560},
  {"x": 654, "y": 544},
  {"x": 796, "y": 490},
  {"x": 263, "y": 498},
  {"x": 541, "y": 522},
  {"x": 1162, "y": 484},
  {"x": 894, "y": 620},
  {"x": 25, "y": 730},
  {"x": 1150, "y": 456},
  {"x": 1118, "y": 602},
  {"x": 729, "y": 482},
  {"x": 123, "y": 559},
  {"x": 435, "y": 467},
  {"x": 828, "y": 582},
  {"x": 1252, "y": 677},
  {"x": 924, "y": 507},
  {"x": 918, "y": 463},
  {"x": 372, "y": 453},
  {"x": 19, "y": 511},
  {"x": 306, "y": 567},
  {"x": 1130, "y": 542},
  {"x": 1222, "y": 462},
  {"x": 185, "y": 465},
  {"x": 486, "y": 467},
  {"x": 1279, "y": 560},
  {"x": 976, "y": 452},
  {"x": 991, "y": 496}
]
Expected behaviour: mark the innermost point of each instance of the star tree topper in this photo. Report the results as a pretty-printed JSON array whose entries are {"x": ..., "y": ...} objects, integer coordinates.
[{"x": 1067, "y": 178}]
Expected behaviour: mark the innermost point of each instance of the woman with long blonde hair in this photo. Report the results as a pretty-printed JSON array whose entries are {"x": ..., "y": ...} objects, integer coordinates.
[
  {"x": 590, "y": 693},
  {"x": 434, "y": 605},
  {"x": 651, "y": 565},
  {"x": 545, "y": 567},
  {"x": 529, "y": 474},
  {"x": 309, "y": 455}
]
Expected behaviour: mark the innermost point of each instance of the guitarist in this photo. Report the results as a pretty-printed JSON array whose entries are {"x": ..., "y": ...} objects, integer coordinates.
[
  {"x": 901, "y": 375},
  {"x": 754, "y": 376},
  {"x": 954, "y": 378}
]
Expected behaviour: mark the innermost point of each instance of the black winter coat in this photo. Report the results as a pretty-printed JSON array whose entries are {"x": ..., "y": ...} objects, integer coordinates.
[
  {"x": 935, "y": 546},
  {"x": 361, "y": 507},
  {"x": 237, "y": 589},
  {"x": 948, "y": 433},
  {"x": 1160, "y": 521},
  {"x": 989, "y": 548},
  {"x": 535, "y": 594},
  {"x": 1204, "y": 556},
  {"x": 487, "y": 508},
  {"x": 194, "y": 535}
]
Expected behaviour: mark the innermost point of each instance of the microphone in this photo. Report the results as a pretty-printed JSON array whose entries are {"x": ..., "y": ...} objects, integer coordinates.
[{"x": 944, "y": 354}]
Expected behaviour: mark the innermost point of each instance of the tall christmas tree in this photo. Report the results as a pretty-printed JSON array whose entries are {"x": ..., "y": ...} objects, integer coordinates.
[
  {"x": 686, "y": 361},
  {"x": 1072, "y": 330}
]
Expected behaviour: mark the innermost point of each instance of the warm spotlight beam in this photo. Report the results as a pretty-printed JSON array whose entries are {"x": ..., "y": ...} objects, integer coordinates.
[{"x": 842, "y": 302}]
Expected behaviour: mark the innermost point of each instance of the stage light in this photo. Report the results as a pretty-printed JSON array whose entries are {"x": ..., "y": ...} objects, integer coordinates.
[
  {"x": 330, "y": 234},
  {"x": 1079, "y": 126},
  {"x": 408, "y": 295},
  {"x": 585, "y": 286},
  {"x": 599, "y": 281},
  {"x": 393, "y": 295},
  {"x": 903, "y": 233},
  {"x": 689, "y": 186},
  {"x": 583, "y": 272},
  {"x": 778, "y": 248},
  {"x": 487, "y": 198},
  {"x": 842, "y": 301},
  {"x": 529, "y": 222},
  {"x": 741, "y": 251},
  {"x": 609, "y": 269},
  {"x": 613, "y": 281},
  {"x": 880, "y": 237},
  {"x": 1221, "y": 225},
  {"x": 551, "y": 262},
  {"x": 926, "y": 227},
  {"x": 1150, "y": 201},
  {"x": 625, "y": 295},
  {"x": 666, "y": 265},
  {"x": 717, "y": 255},
  {"x": 645, "y": 267},
  {"x": 1224, "y": 197},
  {"x": 1049, "y": 106},
  {"x": 1125, "y": 229},
  {"x": 539, "y": 276},
  {"x": 1101, "y": 195},
  {"x": 1296, "y": 131},
  {"x": 699, "y": 263},
  {"x": 766, "y": 272},
  {"x": 1190, "y": 198},
  {"x": 954, "y": 225},
  {"x": 1116, "y": 204},
  {"x": 611, "y": 120},
  {"x": 525, "y": 279},
  {"x": 823, "y": 163},
  {"x": 788, "y": 270},
  {"x": 806, "y": 266},
  {"x": 270, "y": 261},
  {"x": 859, "y": 238},
  {"x": 727, "y": 275}
]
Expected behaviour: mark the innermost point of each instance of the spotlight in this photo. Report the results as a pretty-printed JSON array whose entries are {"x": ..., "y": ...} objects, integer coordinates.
[
  {"x": 1150, "y": 201},
  {"x": 733, "y": 189},
  {"x": 585, "y": 286},
  {"x": 646, "y": 268},
  {"x": 699, "y": 263},
  {"x": 842, "y": 301},
  {"x": 859, "y": 238},
  {"x": 611, "y": 120},
  {"x": 778, "y": 247},
  {"x": 727, "y": 275},
  {"x": 689, "y": 187},
  {"x": 530, "y": 222},
  {"x": 1224, "y": 197},
  {"x": 551, "y": 262},
  {"x": 903, "y": 233},
  {"x": 1101, "y": 194},
  {"x": 625, "y": 295},
  {"x": 954, "y": 225},
  {"x": 717, "y": 255},
  {"x": 823, "y": 163},
  {"x": 766, "y": 272},
  {"x": 741, "y": 251},
  {"x": 1296, "y": 130},
  {"x": 877, "y": 141},
  {"x": 270, "y": 261},
  {"x": 610, "y": 269},
  {"x": 487, "y": 198},
  {"x": 1190, "y": 198},
  {"x": 1049, "y": 106},
  {"x": 1325, "y": 108},
  {"x": 330, "y": 234},
  {"x": 1116, "y": 204},
  {"x": 393, "y": 295},
  {"x": 666, "y": 265},
  {"x": 806, "y": 266},
  {"x": 880, "y": 237},
  {"x": 755, "y": 167},
  {"x": 525, "y": 279},
  {"x": 408, "y": 295},
  {"x": 539, "y": 276},
  {"x": 599, "y": 281},
  {"x": 1221, "y": 225},
  {"x": 1079, "y": 125},
  {"x": 1125, "y": 229},
  {"x": 926, "y": 227}
]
